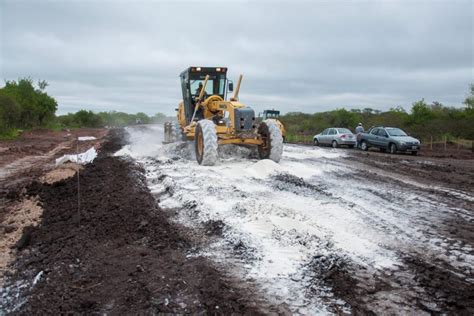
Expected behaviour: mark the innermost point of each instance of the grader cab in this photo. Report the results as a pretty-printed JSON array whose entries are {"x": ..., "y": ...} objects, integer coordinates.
[{"x": 206, "y": 117}]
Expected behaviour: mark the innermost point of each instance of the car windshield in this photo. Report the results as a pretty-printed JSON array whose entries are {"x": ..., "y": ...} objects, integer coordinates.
[
  {"x": 396, "y": 132},
  {"x": 344, "y": 131}
]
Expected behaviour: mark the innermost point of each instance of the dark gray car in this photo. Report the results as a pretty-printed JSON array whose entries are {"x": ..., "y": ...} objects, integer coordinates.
[{"x": 389, "y": 138}]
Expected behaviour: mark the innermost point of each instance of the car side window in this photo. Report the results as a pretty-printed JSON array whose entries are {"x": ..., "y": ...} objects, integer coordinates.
[
  {"x": 382, "y": 132},
  {"x": 374, "y": 131},
  {"x": 325, "y": 132},
  {"x": 332, "y": 131}
]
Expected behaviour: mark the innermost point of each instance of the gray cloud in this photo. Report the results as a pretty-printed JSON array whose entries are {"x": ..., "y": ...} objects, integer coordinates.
[{"x": 296, "y": 56}]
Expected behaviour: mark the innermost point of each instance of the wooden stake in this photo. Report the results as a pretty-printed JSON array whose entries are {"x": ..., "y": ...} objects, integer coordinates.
[{"x": 78, "y": 182}]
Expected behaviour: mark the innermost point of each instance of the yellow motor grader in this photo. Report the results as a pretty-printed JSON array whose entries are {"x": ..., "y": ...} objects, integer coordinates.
[
  {"x": 207, "y": 118},
  {"x": 273, "y": 114}
]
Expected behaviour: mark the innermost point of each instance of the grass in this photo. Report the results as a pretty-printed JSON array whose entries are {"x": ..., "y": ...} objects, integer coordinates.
[
  {"x": 10, "y": 134},
  {"x": 54, "y": 126},
  {"x": 296, "y": 138}
]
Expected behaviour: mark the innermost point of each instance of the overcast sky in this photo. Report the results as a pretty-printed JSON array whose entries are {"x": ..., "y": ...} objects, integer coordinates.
[{"x": 295, "y": 56}]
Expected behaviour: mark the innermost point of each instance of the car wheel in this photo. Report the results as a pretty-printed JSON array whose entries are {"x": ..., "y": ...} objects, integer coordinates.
[
  {"x": 334, "y": 144},
  {"x": 393, "y": 148},
  {"x": 316, "y": 142},
  {"x": 364, "y": 146},
  {"x": 414, "y": 153}
]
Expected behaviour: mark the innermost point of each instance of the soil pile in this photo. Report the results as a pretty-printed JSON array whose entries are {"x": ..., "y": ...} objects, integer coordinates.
[{"x": 119, "y": 254}]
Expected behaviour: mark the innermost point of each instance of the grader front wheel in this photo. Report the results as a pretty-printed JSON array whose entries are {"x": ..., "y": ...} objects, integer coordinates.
[
  {"x": 272, "y": 147},
  {"x": 205, "y": 143}
]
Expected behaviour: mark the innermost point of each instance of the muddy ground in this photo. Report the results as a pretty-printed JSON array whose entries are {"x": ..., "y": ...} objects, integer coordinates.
[
  {"x": 455, "y": 173},
  {"x": 31, "y": 154},
  {"x": 32, "y": 157},
  {"x": 146, "y": 240},
  {"x": 116, "y": 254}
]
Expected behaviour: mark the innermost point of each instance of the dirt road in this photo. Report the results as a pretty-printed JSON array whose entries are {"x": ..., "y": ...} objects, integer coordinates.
[
  {"x": 327, "y": 229},
  {"x": 324, "y": 231}
]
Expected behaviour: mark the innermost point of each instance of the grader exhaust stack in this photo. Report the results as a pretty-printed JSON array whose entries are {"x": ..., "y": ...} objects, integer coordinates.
[
  {"x": 236, "y": 92},
  {"x": 211, "y": 120}
]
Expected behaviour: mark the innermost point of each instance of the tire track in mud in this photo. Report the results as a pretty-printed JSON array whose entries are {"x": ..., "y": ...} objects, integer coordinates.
[
  {"x": 440, "y": 220},
  {"x": 318, "y": 233}
]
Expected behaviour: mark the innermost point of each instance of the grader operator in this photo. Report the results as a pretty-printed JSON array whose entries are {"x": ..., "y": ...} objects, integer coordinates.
[{"x": 209, "y": 119}]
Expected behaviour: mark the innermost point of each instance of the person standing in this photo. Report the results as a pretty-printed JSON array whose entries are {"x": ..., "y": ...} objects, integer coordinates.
[{"x": 359, "y": 130}]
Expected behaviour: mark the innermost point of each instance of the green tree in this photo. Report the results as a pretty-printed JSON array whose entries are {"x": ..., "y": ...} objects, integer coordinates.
[
  {"x": 344, "y": 118},
  {"x": 9, "y": 113},
  {"x": 86, "y": 118},
  {"x": 420, "y": 112},
  {"x": 144, "y": 119},
  {"x": 36, "y": 106},
  {"x": 159, "y": 118},
  {"x": 469, "y": 101}
]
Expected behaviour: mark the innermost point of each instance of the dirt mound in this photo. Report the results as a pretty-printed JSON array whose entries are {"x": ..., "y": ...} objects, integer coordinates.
[
  {"x": 115, "y": 139},
  {"x": 62, "y": 172},
  {"x": 117, "y": 254},
  {"x": 22, "y": 215}
]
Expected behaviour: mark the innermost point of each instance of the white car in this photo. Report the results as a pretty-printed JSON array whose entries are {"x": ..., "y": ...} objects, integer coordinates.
[{"x": 335, "y": 136}]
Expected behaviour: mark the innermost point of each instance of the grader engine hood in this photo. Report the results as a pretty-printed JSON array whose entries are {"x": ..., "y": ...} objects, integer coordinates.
[{"x": 244, "y": 119}]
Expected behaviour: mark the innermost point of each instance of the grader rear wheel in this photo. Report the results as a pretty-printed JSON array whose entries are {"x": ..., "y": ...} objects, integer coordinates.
[
  {"x": 272, "y": 147},
  {"x": 205, "y": 143}
]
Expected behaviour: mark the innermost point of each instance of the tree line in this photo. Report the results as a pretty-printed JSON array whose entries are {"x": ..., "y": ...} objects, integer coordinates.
[
  {"x": 85, "y": 118},
  {"x": 25, "y": 105},
  {"x": 423, "y": 120}
]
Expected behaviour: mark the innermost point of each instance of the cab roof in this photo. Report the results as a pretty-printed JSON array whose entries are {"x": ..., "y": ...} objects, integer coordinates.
[{"x": 203, "y": 70}]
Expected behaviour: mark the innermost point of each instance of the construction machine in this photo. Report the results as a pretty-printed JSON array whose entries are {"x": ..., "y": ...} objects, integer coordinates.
[
  {"x": 206, "y": 117},
  {"x": 273, "y": 114}
]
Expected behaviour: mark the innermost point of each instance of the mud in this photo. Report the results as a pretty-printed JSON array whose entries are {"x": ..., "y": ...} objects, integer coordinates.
[
  {"x": 30, "y": 155},
  {"x": 455, "y": 173},
  {"x": 329, "y": 231},
  {"x": 116, "y": 254},
  {"x": 214, "y": 228}
]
